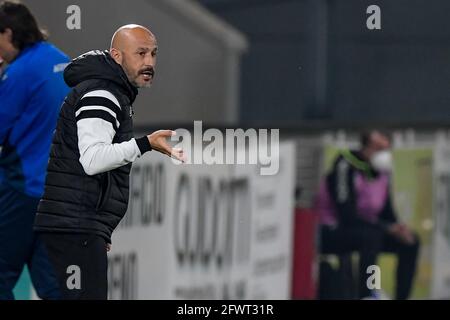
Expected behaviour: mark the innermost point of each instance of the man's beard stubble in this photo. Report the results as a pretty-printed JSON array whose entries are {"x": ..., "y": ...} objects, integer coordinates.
[{"x": 133, "y": 79}]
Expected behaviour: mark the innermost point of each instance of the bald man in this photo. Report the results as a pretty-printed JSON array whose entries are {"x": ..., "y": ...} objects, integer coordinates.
[{"x": 87, "y": 185}]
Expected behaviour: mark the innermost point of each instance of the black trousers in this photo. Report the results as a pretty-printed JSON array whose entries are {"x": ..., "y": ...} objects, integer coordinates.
[
  {"x": 80, "y": 263},
  {"x": 369, "y": 241},
  {"x": 19, "y": 246}
]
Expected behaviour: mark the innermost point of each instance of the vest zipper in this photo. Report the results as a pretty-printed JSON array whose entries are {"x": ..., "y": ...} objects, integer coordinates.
[{"x": 131, "y": 111}]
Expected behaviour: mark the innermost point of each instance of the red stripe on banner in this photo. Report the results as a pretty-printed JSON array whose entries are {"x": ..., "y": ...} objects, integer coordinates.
[{"x": 304, "y": 277}]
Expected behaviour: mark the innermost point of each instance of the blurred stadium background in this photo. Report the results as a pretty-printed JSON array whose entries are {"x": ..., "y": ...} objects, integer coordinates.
[{"x": 308, "y": 67}]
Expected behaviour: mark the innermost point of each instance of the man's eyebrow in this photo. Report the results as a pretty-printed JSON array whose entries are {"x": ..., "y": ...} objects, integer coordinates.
[{"x": 146, "y": 49}]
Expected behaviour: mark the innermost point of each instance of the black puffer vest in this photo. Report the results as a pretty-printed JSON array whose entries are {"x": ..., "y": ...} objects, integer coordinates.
[{"x": 73, "y": 201}]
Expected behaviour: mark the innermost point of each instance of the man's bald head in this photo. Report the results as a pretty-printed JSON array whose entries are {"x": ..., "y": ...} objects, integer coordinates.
[
  {"x": 130, "y": 32},
  {"x": 134, "y": 47}
]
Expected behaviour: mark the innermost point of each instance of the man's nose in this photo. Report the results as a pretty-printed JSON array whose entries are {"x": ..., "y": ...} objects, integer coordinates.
[{"x": 150, "y": 61}]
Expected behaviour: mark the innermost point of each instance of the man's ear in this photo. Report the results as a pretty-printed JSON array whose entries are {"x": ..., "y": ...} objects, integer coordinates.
[{"x": 116, "y": 55}]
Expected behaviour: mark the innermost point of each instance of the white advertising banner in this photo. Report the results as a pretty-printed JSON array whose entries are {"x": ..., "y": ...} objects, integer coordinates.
[
  {"x": 205, "y": 232},
  {"x": 441, "y": 235}
]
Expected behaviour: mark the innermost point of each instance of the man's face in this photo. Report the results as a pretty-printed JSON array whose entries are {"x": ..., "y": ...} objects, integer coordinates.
[
  {"x": 139, "y": 59},
  {"x": 378, "y": 152},
  {"x": 7, "y": 50},
  {"x": 379, "y": 142}
]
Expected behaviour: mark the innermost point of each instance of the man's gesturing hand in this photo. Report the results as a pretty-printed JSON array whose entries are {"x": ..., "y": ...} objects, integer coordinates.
[{"x": 159, "y": 143}]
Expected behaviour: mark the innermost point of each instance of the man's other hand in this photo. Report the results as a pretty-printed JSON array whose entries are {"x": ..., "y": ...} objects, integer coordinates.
[{"x": 159, "y": 143}]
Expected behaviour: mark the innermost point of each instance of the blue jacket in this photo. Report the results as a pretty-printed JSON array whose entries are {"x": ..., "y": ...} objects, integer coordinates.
[{"x": 32, "y": 90}]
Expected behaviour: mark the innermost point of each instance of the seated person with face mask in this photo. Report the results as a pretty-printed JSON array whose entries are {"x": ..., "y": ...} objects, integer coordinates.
[{"x": 356, "y": 213}]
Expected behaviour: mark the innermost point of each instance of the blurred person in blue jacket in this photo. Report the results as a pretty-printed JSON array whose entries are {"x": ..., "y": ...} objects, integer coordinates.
[{"x": 32, "y": 90}]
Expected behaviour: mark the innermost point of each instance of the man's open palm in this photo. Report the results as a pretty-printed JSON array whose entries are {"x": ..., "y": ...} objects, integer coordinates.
[{"x": 158, "y": 141}]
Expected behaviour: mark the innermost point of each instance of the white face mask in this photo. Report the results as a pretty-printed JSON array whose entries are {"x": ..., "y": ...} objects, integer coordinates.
[{"x": 382, "y": 161}]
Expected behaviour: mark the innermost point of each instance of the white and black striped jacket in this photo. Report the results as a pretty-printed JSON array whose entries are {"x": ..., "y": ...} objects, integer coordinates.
[{"x": 87, "y": 183}]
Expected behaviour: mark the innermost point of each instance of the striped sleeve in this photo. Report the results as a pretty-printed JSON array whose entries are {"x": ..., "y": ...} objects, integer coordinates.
[
  {"x": 99, "y": 104},
  {"x": 97, "y": 118}
]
